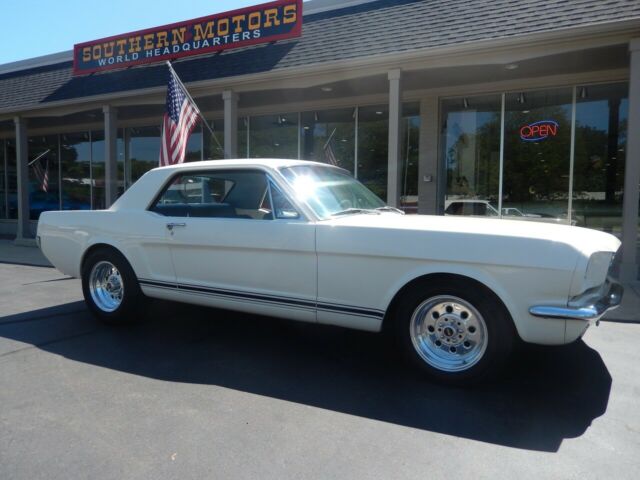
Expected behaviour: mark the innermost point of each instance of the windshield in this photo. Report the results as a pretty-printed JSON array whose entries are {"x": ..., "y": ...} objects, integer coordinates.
[{"x": 329, "y": 191}]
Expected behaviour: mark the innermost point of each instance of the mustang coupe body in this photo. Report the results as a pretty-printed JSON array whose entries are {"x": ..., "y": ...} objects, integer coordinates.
[{"x": 308, "y": 242}]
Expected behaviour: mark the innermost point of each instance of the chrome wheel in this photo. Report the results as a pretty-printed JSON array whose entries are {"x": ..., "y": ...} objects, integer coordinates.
[
  {"x": 448, "y": 333},
  {"x": 106, "y": 287}
]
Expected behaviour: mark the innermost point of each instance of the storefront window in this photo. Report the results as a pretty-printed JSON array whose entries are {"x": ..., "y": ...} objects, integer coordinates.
[
  {"x": 274, "y": 136},
  {"x": 75, "y": 163},
  {"x": 471, "y": 150},
  {"x": 12, "y": 179},
  {"x": 144, "y": 150},
  {"x": 43, "y": 175},
  {"x": 214, "y": 144},
  {"x": 537, "y": 150},
  {"x": 373, "y": 148},
  {"x": 601, "y": 138},
  {"x": 410, "y": 158},
  {"x": 243, "y": 137},
  {"x": 328, "y": 136},
  {"x": 193, "y": 152},
  {"x": 98, "y": 170},
  {"x": 3, "y": 184},
  {"x": 537, "y": 155}
]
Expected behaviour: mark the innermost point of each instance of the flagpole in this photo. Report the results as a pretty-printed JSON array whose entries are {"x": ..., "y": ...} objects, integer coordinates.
[
  {"x": 204, "y": 120},
  {"x": 38, "y": 158},
  {"x": 330, "y": 137}
]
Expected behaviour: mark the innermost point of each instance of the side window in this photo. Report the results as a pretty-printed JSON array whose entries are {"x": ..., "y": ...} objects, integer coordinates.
[
  {"x": 282, "y": 207},
  {"x": 215, "y": 194},
  {"x": 196, "y": 190}
]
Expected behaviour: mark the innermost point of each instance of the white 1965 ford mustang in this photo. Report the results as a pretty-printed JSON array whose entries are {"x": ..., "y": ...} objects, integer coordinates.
[{"x": 306, "y": 241}]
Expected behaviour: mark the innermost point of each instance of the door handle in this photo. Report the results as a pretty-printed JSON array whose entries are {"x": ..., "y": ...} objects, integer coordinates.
[{"x": 171, "y": 226}]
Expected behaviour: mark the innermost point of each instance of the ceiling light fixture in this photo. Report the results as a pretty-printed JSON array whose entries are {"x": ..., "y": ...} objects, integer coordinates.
[
  {"x": 326, "y": 89},
  {"x": 511, "y": 66},
  {"x": 521, "y": 99},
  {"x": 583, "y": 93},
  {"x": 465, "y": 102}
]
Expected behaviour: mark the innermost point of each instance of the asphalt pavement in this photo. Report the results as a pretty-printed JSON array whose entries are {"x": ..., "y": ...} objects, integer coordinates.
[{"x": 189, "y": 392}]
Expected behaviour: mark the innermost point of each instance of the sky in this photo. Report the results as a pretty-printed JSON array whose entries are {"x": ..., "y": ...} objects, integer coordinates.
[{"x": 31, "y": 28}]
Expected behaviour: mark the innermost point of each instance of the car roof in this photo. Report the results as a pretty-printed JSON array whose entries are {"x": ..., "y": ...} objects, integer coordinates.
[{"x": 243, "y": 162}]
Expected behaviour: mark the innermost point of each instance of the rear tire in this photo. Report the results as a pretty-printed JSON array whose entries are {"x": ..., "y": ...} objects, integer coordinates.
[
  {"x": 454, "y": 330},
  {"x": 110, "y": 287}
]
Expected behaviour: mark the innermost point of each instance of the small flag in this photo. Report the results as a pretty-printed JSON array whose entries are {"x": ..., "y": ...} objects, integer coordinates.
[
  {"x": 179, "y": 121},
  {"x": 42, "y": 175}
]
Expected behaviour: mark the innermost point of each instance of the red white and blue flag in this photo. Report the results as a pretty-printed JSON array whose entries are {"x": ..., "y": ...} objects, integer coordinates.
[
  {"x": 180, "y": 119},
  {"x": 42, "y": 175}
]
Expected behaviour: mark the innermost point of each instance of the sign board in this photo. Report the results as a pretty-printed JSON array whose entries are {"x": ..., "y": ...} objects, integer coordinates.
[
  {"x": 538, "y": 131},
  {"x": 247, "y": 26}
]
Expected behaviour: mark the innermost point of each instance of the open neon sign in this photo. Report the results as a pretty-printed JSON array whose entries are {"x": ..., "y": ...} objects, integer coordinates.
[{"x": 538, "y": 131}]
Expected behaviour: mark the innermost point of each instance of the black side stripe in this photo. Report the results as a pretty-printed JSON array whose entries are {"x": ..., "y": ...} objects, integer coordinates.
[{"x": 270, "y": 299}]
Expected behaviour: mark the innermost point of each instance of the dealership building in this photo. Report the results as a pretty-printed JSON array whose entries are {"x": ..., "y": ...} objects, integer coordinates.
[{"x": 491, "y": 107}]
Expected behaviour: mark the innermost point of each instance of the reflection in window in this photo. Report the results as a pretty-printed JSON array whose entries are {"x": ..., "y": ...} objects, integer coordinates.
[
  {"x": 144, "y": 150},
  {"x": 213, "y": 144},
  {"x": 373, "y": 148},
  {"x": 193, "y": 153},
  {"x": 410, "y": 160},
  {"x": 3, "y": 186},
  {"x": 43, "y": 175},
  {"x": 75, "y": 163},
  {"x": 537, "y": 153},
  {"x": 274, "y": 136},
  {"x": 601, "y": 138},
  {"x": 471, "y": 148},
  {"x": 12, "y": 179},
  {"x": 328, "y": 136},
  {"x": 98, "y": 170},
  {"x": 243, "y": 137}
]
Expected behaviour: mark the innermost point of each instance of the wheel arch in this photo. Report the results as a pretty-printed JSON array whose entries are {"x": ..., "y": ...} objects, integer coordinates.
[
  {"x": 99, "y": 246},
  {"x": 440, "y": 277}
]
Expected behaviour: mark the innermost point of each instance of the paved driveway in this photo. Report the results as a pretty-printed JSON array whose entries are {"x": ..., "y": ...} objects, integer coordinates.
[{"x": 198, "y": 393}]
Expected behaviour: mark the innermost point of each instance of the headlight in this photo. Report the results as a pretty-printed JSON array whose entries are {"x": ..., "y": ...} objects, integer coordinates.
[{"x": 597, "y": 269}]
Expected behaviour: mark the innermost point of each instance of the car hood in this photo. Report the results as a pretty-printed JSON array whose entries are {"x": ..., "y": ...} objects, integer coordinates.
[{"x": 481, "y": 236}]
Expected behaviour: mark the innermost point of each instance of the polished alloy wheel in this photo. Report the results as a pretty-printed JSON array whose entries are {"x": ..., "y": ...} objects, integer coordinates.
[
  {"x": 448, "y": 333},
  {"x": 106, "y": 287}
]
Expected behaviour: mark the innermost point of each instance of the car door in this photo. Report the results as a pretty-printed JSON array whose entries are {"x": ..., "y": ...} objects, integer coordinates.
[{"x": 236, "y": 242}]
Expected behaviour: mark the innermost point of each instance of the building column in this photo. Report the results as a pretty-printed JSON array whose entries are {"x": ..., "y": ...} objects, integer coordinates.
[
  {"x": 230, "y": 124},
  {"x": 394, "y": 176},
  {"x": 428, "y": 171},
  {"x": 629, "y": 265},
  {"x": 22, "y": 171},
  {"x": 110, "y": 155}
]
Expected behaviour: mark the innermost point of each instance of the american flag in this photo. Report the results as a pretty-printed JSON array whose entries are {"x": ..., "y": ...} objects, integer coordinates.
[
  {"x": 179, "y": 121},
  {"x": 41, "y": 175}
]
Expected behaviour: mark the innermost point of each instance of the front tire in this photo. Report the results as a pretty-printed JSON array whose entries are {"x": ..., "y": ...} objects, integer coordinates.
[
  {"x": 110, "y": 287},
  {"x": 454, "y": 330}
]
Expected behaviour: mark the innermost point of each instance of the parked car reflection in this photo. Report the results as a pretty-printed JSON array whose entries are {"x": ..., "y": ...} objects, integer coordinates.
[{"x": 484, "y": 208}]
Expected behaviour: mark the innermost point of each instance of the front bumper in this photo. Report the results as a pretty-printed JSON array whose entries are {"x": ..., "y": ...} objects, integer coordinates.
[{"x": 589, "y": 306}]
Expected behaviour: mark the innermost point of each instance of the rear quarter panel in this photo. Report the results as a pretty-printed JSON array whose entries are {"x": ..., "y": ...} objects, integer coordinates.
[{"x": 140, "y": 236}]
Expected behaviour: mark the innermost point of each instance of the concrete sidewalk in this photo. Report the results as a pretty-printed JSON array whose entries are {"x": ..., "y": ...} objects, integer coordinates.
[
  {"x": 629, "y": 311},
  {"x": 21, "y": 255}
]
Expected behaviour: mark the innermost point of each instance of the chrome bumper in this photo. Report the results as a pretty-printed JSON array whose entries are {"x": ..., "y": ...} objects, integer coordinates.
[{"x": 589, "y": 306}]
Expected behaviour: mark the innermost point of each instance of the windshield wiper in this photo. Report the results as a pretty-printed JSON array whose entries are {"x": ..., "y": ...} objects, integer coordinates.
[
  {"x": 387, "y": 208},
  {"x": 350, "y": 211}
]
